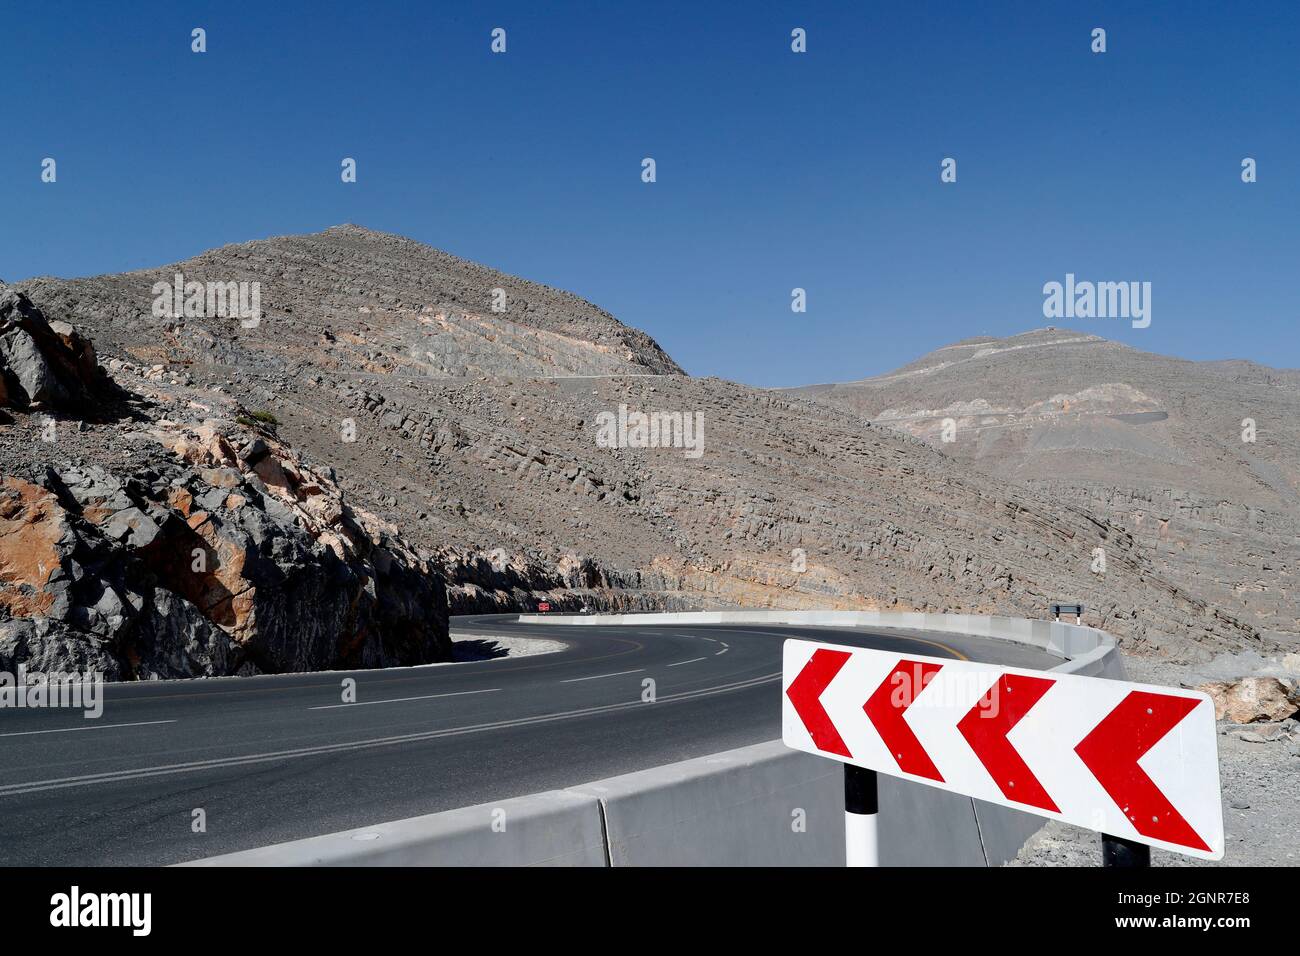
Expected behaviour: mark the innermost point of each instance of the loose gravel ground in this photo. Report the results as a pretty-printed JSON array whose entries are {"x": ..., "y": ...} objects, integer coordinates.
[
  {"x": 1259, "y": 771},
  {"x": 479, "y": 647}
]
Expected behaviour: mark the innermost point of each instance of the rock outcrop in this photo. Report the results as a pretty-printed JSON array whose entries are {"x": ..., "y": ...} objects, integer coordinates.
[
  {"x": 152, "y": 548},
  {"x": 43, "y": 365}
]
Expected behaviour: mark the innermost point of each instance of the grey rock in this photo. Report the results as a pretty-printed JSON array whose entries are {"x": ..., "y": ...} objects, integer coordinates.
[
  {"x": 27, "y": 367},
  {"x": 50, "y": 646},
  {"x": 42, "y": 365},
  {"x": 132, "y": 527},
  {"x": 1249, "y": 736}
]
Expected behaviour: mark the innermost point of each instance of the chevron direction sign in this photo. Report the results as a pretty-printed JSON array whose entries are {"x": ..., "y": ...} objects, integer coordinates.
[{"x": 1131, "y": 760}]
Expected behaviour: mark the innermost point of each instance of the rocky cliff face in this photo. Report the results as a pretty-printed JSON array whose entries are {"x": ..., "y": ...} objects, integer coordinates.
[
  {"x": 479, "y": 434},
  {"x": 148, "y": 542}
]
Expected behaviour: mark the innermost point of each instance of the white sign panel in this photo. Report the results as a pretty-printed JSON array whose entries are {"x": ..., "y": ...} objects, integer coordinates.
[{"x": 1132, "y": 760}]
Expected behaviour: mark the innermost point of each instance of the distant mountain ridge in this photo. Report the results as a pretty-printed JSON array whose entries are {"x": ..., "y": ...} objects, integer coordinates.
[{"x": 1199, "y": 460}]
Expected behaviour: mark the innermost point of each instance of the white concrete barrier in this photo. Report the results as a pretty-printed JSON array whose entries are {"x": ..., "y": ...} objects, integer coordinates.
[
  {"x": 556, "y": 828},
  {"x": 764, "y": 805},
  {"x": 1087, "y": 650}
]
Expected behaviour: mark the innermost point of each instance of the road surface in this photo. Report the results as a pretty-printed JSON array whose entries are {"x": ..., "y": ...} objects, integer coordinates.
[{"x": 275, "y": 758}]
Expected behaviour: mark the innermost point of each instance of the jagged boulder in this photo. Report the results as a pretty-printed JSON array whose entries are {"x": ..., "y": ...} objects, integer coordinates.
[
  {"x": 1254, "y": 699},
  {"x": 43, "y": 364}
]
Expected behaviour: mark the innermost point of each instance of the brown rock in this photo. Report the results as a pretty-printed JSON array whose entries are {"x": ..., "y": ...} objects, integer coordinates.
[
  {"x": 181, "y": 500},
  {"x": 222, "y": 477},
  {"x": 32, "y": 523},
  {"x": 1253, "y": 699}
]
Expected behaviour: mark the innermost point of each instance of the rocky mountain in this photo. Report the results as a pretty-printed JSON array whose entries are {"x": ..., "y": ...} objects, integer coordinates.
[
  {"x": 1198, "y": 461},
  {"x": 507, "y": 448},
  {"x": 358, "y": 302},
  {"x": 142, "y": 538}
]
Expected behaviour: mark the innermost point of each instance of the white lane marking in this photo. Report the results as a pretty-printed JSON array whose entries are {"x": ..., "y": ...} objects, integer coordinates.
[
  {"x": 113, "y": 776},
  {"x": 400, "y": 700},
  {"x": 574, "y": 680},
  {"x": 691, "y": 661},
  {"x": 66, "y": 730},
  {"x": 725, "y": 648}
]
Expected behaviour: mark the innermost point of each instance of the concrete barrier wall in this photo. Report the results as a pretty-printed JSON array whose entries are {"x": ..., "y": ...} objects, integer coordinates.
[
  {"x": 1087, "y": 650},
  {"x": 757, "y": 806},
  {"x": 556, "y": 828},
  {"x": 763, "y": 805}
]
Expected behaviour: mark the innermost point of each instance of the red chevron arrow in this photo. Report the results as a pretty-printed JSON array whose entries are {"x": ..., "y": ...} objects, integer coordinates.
[
  {"x": 885, "y": 710},
  {"x": 805, "y": 693},
  {"x": 1112, "y": 751},
  {"x": 986, "y": 726}
]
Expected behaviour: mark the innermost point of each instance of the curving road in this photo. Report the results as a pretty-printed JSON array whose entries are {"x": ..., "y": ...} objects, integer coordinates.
[{"x": 281, "y": 757}]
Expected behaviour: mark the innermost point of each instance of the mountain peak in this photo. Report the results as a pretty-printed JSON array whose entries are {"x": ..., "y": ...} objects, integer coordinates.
[{"x": 403, "y": 306}]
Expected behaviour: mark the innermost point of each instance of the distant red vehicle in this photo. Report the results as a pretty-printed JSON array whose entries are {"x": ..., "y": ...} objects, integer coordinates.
[{"x": 543, "y": 606}]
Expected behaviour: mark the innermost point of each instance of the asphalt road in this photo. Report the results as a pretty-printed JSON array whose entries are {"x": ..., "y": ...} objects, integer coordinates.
[{"x": 282, "y": 757}]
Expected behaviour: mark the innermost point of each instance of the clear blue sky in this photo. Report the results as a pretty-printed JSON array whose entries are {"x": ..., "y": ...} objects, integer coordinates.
[{"x": 775, "y": 170}]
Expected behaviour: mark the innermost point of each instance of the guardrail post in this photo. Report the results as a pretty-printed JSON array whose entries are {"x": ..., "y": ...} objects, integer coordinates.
[
  {"x": 1116, "y": 851},
  {"x": 861, "y": 811}
]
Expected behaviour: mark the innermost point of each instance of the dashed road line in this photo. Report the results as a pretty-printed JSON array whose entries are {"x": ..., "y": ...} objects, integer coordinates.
[
  {"x": 574, "y": 680},
  {"x": 67, "y": 730},
  {"x": 402, "y": 700}
]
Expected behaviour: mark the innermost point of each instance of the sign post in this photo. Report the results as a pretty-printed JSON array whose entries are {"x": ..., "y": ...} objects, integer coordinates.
[
  {"x": 1136, "y": 762},
  {"x": 861, "y": 811},
  {"x": 1124, "y": 853}
]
